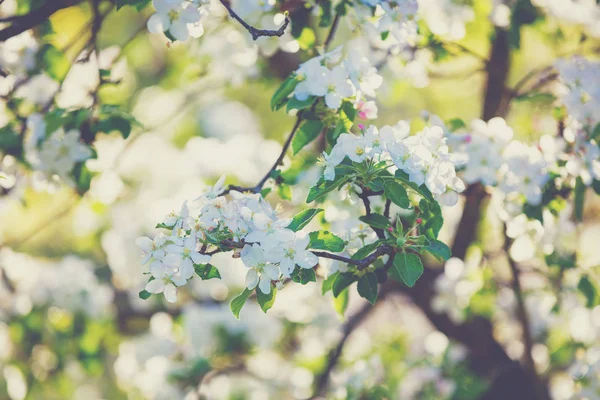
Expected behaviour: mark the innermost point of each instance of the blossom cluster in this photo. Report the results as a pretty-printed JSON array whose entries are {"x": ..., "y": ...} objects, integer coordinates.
[
  {"x": 53, "y": 155},
  {"x": 424, "y": 156},
  {"x": 393, "y": 21},
  {"x": 269, "y": 249},
  {"x": 178, "y": 19},
  {"x": 335, "y": 80},
  {"x": 581, "y": 94}
]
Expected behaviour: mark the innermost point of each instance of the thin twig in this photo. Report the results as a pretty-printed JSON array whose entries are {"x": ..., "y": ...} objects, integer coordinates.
[
  {"x": 256, "y": 33},
  {"x": 528, "y": 361},
  {"x": 322, "y": 380},
  {"x": 288, "y": 141}
]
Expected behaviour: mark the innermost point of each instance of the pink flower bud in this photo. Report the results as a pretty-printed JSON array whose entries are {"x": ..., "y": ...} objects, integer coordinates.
[
  {"x": 390, "y": 229},
  {"x": 468, "y": 139},
  {"x": 361, "y": 127},
  {"x": 419, "y": 221}
]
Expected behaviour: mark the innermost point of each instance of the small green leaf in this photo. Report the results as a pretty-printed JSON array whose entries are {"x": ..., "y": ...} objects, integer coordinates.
[
  {"x": 83, "y": 177},
  {"x": 295, "y": 104},
  {"x": 367, "y": 287},
  {"x": 455, "y": 124},
  {"x": 325, "y": 20},
  {"x": 589, "y": 290},
  {"x": 439, "y": 250},
  {"x": 266, "y": 301},
  {"x": 409, "y": 267},
  {"x": 306, "y": 40},
  {"x": 328, "y": 283},
  {"x": 144, "y": 294},
  {"x": 325, "y": 240},
  {"x": 596, "y": 186},
  {"x": 303, "y": 275},
  {"x": 396, "y": 193},
  {"x": 285, "y": 191},
  {"x": 115, "y": 123},
  {"x": 348, "y": 112},
  {"x": 376, "y": 220},
  {"x": 342, "y": 281},
  {"x": 322, "y": 187},
  {"x": 238, "y": 302},
  {"x": 56, "y": 64},
  {"x": 207, "y": 271},
  {"x": 366, "y": 250},
  {"x": 301, "y": 219},
  {"x": 340, "y": 303},
  {"x": 306, "y": 134},
  {"x": 281, "y": 94}
]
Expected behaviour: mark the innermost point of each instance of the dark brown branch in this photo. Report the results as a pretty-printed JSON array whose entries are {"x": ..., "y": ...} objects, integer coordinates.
[
  {"x": 256, "y": 33},
  {"x": 322, "y": 380},
  {"x": 21, "y": 23},
  {"x": 362, "y": 263}
]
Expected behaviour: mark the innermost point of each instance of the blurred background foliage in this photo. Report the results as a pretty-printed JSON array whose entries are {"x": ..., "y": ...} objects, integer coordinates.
[{"x": 119, "y": 348}]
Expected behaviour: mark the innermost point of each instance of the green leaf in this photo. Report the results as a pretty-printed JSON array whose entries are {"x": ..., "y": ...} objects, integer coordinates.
[
  {"x": 295, "y": 104},
  {"x": 306, "y": 134},
  {"x": 366, "y": 250},
  {"x": 340, "y": 303},
  {"x": 341, "y": 282},
  {"x": 579, "y": 199},
  {"x": 306, "y": 40},
  {"x": 348, "y": 113},
  {"x": 83, "y": 177},
  {"x": 396, "y": 193},
  {"x": 301, "y": 219},
  {"x": 304, "y": 275},
  {"x": 455, "y": 124},
  {"x": 325, "y": 240},
  {"x": 238, "y": 302},
  {"x": 328, "y": 283},
  {"x": 10, "y": 141},
  {"x": 596, "y": 133},
  {"x": 55, "y": 63},
  {"x": 589, "y": 290},
  {"x": 376, "y": 220},
  {"x": 207, "y": 271},
  {"x": 144, "y": 294},
  {"x": 285, "y": 191},
  {"x": 439, "y": 250},
  {"x": 281, "y": 94},
  {"x": 367, "y": 287},
  {"x": 326, "y": 14},
  {"x": 322, "y": 187},
  {"x": 266, "y": 301},
  {"x": 409, "y": 267},
  {"x": 540, "y": 98},
  {"x": 596, "y": 186},
  {"x": 115, "y": 123},
  {"x": 384, "y": 35}
]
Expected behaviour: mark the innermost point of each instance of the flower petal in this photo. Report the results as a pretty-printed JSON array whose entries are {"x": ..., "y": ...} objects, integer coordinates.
[
  {"x": 155, "y": 286},
  {"x": 170, "y": 293}
]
